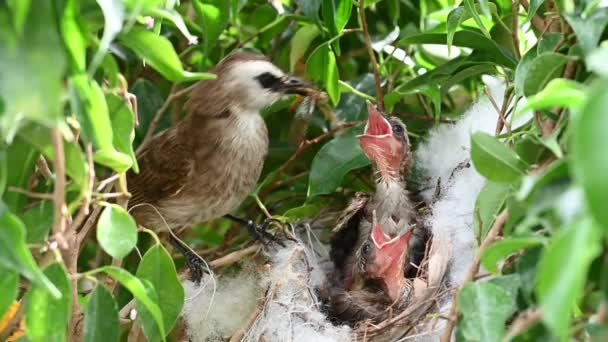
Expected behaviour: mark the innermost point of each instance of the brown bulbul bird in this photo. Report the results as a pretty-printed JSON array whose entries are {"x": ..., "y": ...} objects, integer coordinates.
[
  {"x": 380, "y": 284},
  {"x": 386, "y": 144},
  {"x": 207, "y": 164}
]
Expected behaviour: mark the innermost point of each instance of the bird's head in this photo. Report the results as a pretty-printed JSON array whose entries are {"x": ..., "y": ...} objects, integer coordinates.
[
  {"x": 385, "y": 143},
  {"x": 254, "y": 82},
  {"x": 383, "y": 258}
]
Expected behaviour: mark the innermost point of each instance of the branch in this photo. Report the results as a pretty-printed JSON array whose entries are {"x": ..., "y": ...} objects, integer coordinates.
[
  {"x": 372, "y": 57},
  {"x": 537, "y": 21},
  {"x": 60, "y": 209},
  {"x": 159, "y": 114},
  {"x": 522, "y": 322},
  {"x": 515, "y": 27},
  {"x": 490, "y": 238}
]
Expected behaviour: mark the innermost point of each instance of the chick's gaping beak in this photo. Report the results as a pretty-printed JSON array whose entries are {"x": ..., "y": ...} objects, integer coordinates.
[
  {"x": 295, "y": 85},
  {"x": 379, "y": 143}
]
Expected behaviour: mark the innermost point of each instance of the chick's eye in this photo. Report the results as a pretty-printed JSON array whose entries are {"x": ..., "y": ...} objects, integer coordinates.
[
  {"x": 397, "y": 128},
  {"x": 267, "y": 80},
  {"x": 365, "y": 249}
]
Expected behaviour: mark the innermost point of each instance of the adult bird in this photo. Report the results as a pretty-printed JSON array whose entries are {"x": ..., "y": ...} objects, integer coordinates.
[
  {"x": 207, "y": 164},
  {"x": 386, "y": 144}
]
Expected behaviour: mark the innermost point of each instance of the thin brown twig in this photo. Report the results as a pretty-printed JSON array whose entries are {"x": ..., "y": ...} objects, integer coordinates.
[
  {"x": 238, "y": 335},
  {"x": 174, "y": 94},
  {"x": 522, "y": 322},
  {"x": 489, "y": 239},
  {"x": 234, "y": 257},
  {"x": 537, "y": 21},
  {"x": 372, "y": 57},
  {"x": 501, "y": 115},
  {"x": 60, "y": 209},
  {"x": 86, "y": 206},
  {"x": 515, "y": 27},
  {"x": 39, "y": 195},
  {"x": 43, "y": 167},
  {"x": 422, "y": 118}
]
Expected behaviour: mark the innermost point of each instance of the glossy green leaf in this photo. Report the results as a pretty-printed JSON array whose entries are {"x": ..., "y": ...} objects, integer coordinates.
[
  {"x": 116, "y": 231},
  {"x": 541, "y": 70},
  {"x": 465, "y": 38},
  {"x": 589, "y": 29},
  {"x": 113, "y": 13},
  {"x": 123, "y": 123},
  {"x": 301, "y": 42},
  {"x": 178, "y": 21},
  {"x": 9, "y": 283},
  {"x": 494, "y": 160},
  {"x": 470, "y": 6},
  {"x": 138, "y": 290},
  {"x": 336, "y": 14},
  {"x": 101, "y": 317},
  {"x": 521, "y": 72},
  {"x": 46, "y": 317},
  {"x": 20, "y": 159},
  {"x": 489, "y": 202},
  {"x": 91, "y": 108},
  {"x": 548, "y": 42},
  {"x": 213, "y": 16},
  {"x": 534, "y": 6},
  {"x": 157, "y": 267},
  {"x": 72, "y": 36},
  {"x": 32, "y": 65},
  {"x": 333, "y": 161},
  {"x": 503, "y": 248},
  {"x": 38, "y": 219},
  {"x": 558, "y": 93},
  {"x": 562, "y": 272},
  {"x": 485, "y": 307},
  {"x": 321, "y": 66},
  {"x": 14, "y": 254},
  {"x": 590, "y": 160},
  {"x": 160, "y": 54}
]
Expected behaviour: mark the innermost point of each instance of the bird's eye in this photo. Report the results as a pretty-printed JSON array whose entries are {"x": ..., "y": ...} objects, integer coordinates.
[
  {"x": 365, "y": 249},
  {"x": 397, "y": 128},
  {"x": 267, "y": 80}
]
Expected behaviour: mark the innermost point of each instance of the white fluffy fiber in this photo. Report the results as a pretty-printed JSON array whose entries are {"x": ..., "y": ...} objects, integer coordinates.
[{"x": 213, "y": 312}]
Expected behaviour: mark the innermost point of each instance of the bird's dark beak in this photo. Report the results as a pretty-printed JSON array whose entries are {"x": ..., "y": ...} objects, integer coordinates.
[
  {"x": 295, "y": 85},
  {"x": 379, "y": 143}
]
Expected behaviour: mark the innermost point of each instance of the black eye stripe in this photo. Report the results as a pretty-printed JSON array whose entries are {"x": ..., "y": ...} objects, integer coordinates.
[{"x": 267, "y": 80}]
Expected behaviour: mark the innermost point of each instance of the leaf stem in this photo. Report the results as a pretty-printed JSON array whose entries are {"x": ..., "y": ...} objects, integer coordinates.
[{"x": 372, "y": 57}]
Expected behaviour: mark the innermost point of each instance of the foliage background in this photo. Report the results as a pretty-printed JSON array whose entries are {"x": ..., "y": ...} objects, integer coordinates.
[{"x": 77, "y": 75}]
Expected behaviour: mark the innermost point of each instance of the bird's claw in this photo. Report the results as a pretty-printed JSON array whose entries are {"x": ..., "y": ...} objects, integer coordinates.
[
  {"x": 195, "y": 263},
  {"x": 260, "y": 233}
]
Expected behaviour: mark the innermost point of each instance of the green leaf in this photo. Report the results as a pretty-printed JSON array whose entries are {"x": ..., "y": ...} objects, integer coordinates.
[
  {"x": 321, "y": 66},
  {"x": 32, "y": 66},
  {"x": 590, "y": 160},
  {"x": 485, "y": 308},
  {"x": 470, "y": 6},
  {"x": 465, "y": 38},
  {"x": 503, "y": 248},
  {"x": 521, "y": 72},
  {"x": 301, "y": 42},
  {"x": 494, "y": 160},
  {"x": 101, "y": 317},
  {"x": 116, "y": 231},
  {"x": 559, "y": 92},
  {"x": 157, "y": 267},
  {"x": 177, "y": 20},
  {"x": 20, "y": 8},
  {"x": 138, "y": 289},
  {"x": 541, "y": 70},
  {"x": 9, "y": 283},
  {"x": 336, "y": 14},
  {"x": 75, "y": 41},
  {"x": 489, "y": 202},
  {"x": 46, "y": 317},
  {"x": 534, "y": 6},
  {"x": 160, "y": 54},
  {"x": 14, "y": 254},
  {"x": 563, "y": 270},
  {"x": 214, "y": 16},
  {"x": 113, "y": 14},
  {"x": 589, "y": 29},
  {"x": 38, "y": 219},
  {"x": 123, "y": 124},
  {"x": 334, "y": 160},
  {"x": 20, "y": 159},
  {"x": 91, "y": 108}
]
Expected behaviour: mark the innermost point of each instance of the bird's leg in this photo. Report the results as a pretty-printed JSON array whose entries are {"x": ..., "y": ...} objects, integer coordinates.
[
  {"x": 259, "y": 232},
  {"x": 195, "y": 263}
]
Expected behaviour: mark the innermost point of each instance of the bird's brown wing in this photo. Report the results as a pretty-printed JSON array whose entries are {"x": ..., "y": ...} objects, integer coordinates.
[
  {"x": 164, "y": 165},
  {"x": 345, "y": 234}
]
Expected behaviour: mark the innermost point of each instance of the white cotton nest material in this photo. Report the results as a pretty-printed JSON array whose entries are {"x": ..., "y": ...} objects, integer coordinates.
[
  {"x": 213, "y": 312},
  {"x": 291, "y": 309}
]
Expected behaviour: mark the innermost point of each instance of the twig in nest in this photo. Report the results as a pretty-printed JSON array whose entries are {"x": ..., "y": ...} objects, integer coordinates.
[
  {"x": 372, "y": 57},
  {"x": 238, "y": 335},
  {"x": 490, "y": 238},
  {"x": 235, "y": 256}
]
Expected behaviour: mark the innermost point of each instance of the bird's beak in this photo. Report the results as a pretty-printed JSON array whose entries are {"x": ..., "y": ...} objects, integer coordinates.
[
  {"x": 379, "y": 143},
  {"x": 295, "y": 85}
]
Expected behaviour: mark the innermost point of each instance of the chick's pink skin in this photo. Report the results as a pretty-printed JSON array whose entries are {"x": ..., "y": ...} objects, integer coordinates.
[
  {"x": 388, "y": 260},
  {"x": 380, "y": 145}
]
